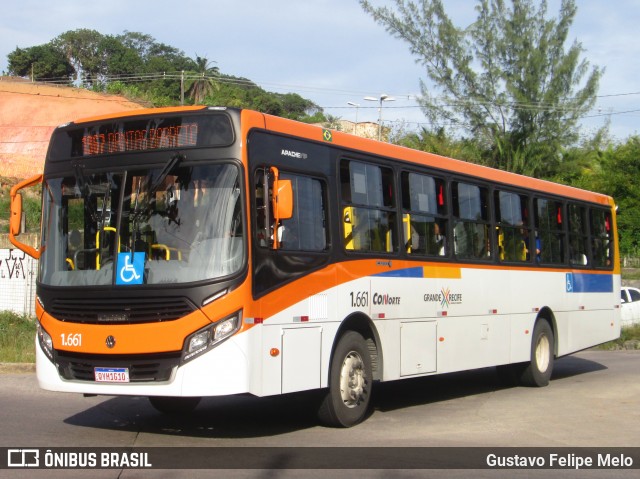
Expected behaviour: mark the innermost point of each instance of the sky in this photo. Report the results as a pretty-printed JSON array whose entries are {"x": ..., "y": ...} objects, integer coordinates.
[{"x": 331, "y": 51}]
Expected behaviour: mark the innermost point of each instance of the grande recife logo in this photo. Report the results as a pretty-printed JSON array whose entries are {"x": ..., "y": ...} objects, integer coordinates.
[{"x": 445, "y": 297}]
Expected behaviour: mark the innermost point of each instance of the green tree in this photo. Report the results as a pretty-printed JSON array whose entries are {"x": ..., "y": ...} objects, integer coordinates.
[
  {"x": 135, "y": 65},
  {"x": 170, "y": 61},
  {"x": 202, "y": 83},
  {"x": 440, "y": 143},
  {"x": 140, "y": 42},
  {"x": 507, "y": 78},
  {"x": 298, "y": 108},
  {"x": 82, "y": 49},
  {"x": 617, "y": 177},
  {"x": 44, "y": 62},
  {"x": 118, "y": 59}
]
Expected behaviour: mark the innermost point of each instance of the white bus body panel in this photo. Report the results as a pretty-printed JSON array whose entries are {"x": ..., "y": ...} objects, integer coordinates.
[
  {"x": 427, "y": 320},
  {"x": 222, "y": 371}
]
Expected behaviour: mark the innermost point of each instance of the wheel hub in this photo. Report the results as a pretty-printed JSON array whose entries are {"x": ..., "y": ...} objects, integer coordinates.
[
  {"x": 352, "y": 379},
  {"x": 543, "y": 353}
]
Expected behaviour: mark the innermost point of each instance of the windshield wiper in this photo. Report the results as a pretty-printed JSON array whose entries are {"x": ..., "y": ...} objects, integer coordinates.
[
  {"x": 84, "y": 187},
  {"x": 107, "y": 196},
  {"x": 168, "y": 167}
]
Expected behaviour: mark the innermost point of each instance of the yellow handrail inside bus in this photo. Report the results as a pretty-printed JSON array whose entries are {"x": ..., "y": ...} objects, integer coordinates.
[
  {"x": 106, "y": 228},
  {"x": 406, "y": 224}
]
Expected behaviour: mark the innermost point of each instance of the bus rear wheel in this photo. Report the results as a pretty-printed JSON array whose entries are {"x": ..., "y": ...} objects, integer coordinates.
[
  {"x": 350, "y": 381},
  {"x": 174, "y": 405},
  {"x": 537, "y": 372}
]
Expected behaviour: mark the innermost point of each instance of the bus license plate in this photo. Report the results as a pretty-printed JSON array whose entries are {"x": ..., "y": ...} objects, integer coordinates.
[{"x": 111, "y": 375}]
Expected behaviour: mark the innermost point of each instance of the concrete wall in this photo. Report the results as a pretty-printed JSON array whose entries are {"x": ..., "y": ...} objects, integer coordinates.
[{"x": 18, "y": 273}]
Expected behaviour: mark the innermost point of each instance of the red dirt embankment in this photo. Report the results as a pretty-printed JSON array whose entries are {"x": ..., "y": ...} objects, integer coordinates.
[{"x": 29, "y": 112}]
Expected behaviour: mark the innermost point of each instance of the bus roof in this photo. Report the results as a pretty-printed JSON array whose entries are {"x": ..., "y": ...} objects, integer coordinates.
[
  {"x": 345, "y": 140},
  {"x": 417, "y": 157}
]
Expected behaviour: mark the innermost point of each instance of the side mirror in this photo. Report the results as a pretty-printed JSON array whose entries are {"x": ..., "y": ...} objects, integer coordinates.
[
  {"x": 15, "y": 222},
  {"x": 16, "y": 216},
  {"x": 282, "y": 200},
  {"x": 281, "y": 203}
]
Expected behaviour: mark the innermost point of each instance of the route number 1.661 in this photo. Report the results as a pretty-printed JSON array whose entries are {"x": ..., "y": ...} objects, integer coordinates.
[
  {"x": 359, "y": 299},
  {"x": 73, "y": 340}
]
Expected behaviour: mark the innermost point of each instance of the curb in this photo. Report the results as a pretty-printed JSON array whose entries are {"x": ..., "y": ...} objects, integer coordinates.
[{"x": 17, "y": 368}]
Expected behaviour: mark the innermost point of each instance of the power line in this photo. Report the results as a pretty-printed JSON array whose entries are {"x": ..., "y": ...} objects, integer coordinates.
[{"x": 444, "y": 102}]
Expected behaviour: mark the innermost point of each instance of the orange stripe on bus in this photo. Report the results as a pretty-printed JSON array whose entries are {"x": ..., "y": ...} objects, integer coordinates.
[{"x": 447, "y": 272}]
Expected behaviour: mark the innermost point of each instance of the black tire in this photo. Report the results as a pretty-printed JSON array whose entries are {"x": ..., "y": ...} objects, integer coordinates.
[
  {"x": 174, "y": 405},
  {"x": 347, "y": 401},
  {"x": 537, "y": 372}
]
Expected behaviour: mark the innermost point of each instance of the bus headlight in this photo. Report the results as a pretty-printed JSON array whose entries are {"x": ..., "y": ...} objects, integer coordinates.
[
  {"x": 225, "y": 328},
  {"x": 210, "y": 336},
  {"x": 45, "y": 341},
  {"x": 199, "y": 340}
]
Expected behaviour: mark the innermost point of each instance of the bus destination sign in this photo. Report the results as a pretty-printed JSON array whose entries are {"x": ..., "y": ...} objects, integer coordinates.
[
  {"x": 141, "y": 134},
  {"x": 139, "y": 140}
]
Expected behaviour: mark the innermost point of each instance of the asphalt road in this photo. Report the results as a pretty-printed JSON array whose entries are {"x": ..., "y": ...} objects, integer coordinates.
[{"x": 593, "y": 401}]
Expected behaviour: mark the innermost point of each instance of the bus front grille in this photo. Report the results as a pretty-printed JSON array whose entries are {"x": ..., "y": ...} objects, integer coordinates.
[
  {"x": 121, "y": 311},
  {"x": 143, "y": 368}
]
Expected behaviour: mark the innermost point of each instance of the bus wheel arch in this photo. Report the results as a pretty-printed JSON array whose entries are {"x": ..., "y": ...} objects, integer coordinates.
[
  {"x": 351, "y": 374},
  {"x": 360, "y": 323}
]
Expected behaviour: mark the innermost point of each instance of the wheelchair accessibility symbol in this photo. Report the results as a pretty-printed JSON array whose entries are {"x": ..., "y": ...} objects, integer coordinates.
[
  {"x": 569, "y": 282},
  {"x": 130, "y": 271}
]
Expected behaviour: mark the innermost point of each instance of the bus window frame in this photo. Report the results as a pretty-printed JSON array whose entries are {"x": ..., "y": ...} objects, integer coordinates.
[
  {"x": 444, "y": 217},
  {"x": 347, "y": 207}
]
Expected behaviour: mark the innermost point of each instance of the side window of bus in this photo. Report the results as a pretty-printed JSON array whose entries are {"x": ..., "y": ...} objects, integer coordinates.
[
  {"x": 578, "y": 235},
  {"x": 471, "y": 238},
  {"x": 306, "y": 229},
  {"x": 512, "y": 216},
  {"x": 424, "y": 219},
  {"x": 601, "y": 238},
  {"x": 368, "y": 210},
  {"x": 549, "y": 233}
]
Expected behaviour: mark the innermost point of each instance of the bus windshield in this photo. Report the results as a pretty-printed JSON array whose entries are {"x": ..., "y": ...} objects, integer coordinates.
[{"x": 170, "y": 224}]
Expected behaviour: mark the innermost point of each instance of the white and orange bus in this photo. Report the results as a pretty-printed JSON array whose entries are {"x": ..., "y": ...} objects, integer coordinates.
[{"x": 198, "y": 251}]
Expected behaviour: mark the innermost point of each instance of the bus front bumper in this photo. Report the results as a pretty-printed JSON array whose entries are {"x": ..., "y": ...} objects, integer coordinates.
[{"x": 222, "y": 371}]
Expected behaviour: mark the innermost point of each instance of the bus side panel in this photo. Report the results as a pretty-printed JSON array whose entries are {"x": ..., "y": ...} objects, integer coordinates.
[
  {"x": 473, "y": 329},
  {"x": 529, "y": 293},
  {"x": 429, "y": 322},
  {"x": 296, "y": 344},
  {"x": 594, "y": 320}
]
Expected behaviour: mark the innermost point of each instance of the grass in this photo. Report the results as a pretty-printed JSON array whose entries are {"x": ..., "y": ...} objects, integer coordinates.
[
  {"x": 17, "y": 335},
  {"x": 628, "y": 335},
  {"x": 631, "y": 274}
]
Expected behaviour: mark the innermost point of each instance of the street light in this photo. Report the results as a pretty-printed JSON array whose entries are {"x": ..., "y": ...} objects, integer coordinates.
[
  {"x": 355, "y": 125},
  {"x": 382, "y": 98}
]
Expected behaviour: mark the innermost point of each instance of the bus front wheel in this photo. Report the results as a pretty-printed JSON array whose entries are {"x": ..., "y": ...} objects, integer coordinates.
[
  {"x": 174, "y": 405},
  {"x": 538, "y": 371},
  {"x": 350, "y": 380}
]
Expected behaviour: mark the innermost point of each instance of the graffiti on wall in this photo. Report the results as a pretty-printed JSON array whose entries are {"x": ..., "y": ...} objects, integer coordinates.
[{"x": 12, "y": 264}]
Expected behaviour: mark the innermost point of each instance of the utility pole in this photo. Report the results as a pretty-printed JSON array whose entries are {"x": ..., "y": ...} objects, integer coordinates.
[{"x": 182, "y": 88}]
